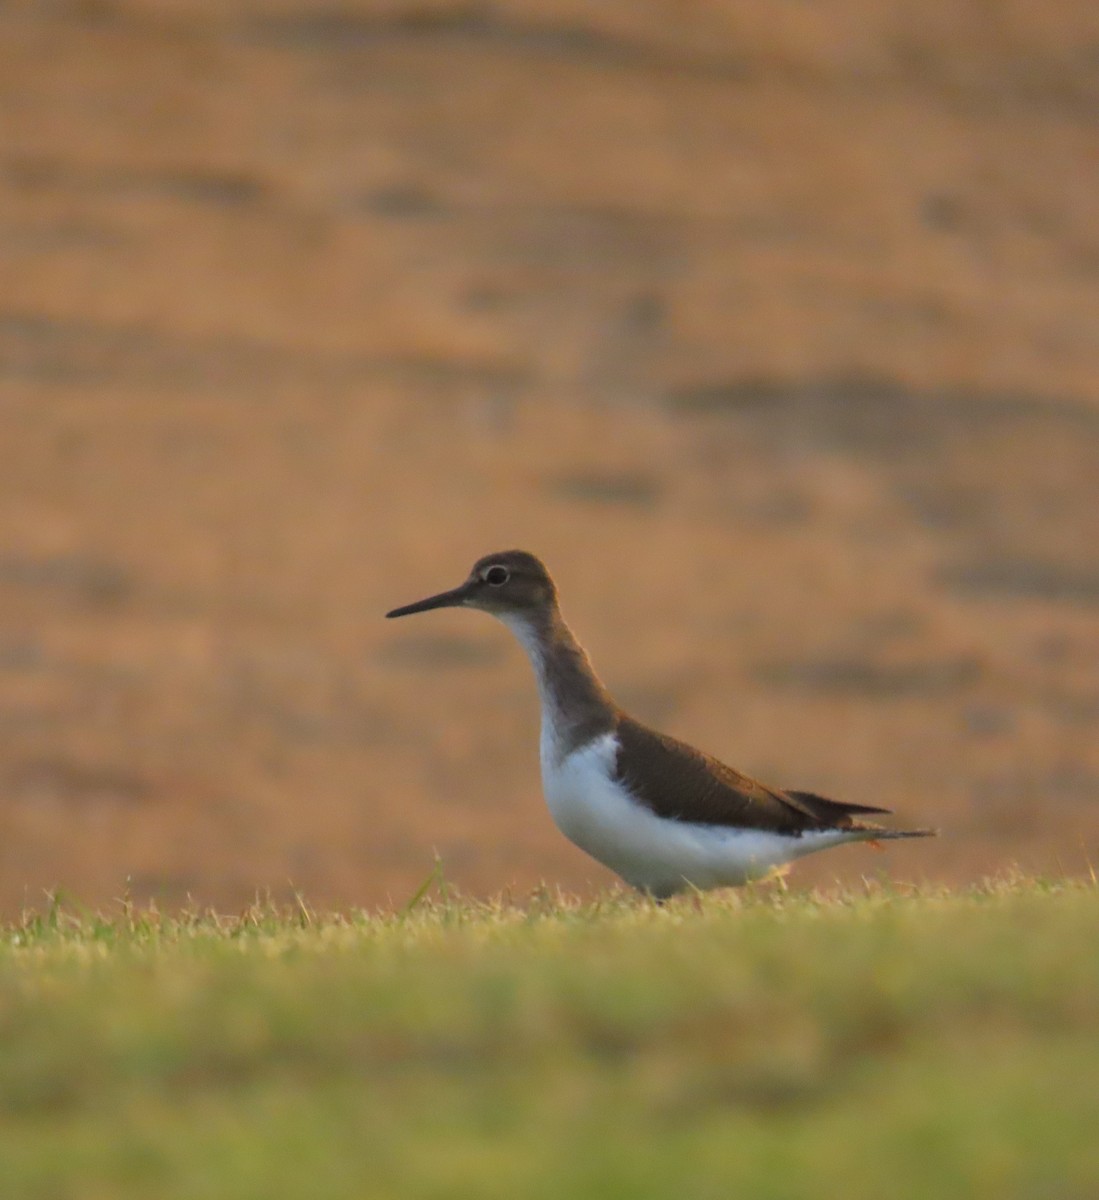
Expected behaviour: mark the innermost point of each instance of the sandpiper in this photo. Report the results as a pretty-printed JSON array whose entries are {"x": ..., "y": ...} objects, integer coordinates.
[{"x": 660, "y": 813}]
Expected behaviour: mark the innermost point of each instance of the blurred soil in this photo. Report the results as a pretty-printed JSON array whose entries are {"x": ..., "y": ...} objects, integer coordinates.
[{"x": 775, "y": 331}]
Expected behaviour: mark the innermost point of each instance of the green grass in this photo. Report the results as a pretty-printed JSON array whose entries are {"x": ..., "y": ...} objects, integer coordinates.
[{"x": 761, "y": 1045}]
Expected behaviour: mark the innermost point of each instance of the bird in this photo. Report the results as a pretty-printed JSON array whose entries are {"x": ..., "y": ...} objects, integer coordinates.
[{"x": 662, "y": 815}]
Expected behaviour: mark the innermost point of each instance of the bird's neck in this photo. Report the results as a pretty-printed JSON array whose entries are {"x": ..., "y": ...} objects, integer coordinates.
[{"x": 576, "y": 707}]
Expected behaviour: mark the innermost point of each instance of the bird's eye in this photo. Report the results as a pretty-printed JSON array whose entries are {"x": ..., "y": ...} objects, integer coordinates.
[{"x": 497, "y": 576}]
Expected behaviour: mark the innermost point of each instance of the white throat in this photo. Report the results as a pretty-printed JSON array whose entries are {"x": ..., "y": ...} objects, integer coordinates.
[{"x": 553, "y": 722}]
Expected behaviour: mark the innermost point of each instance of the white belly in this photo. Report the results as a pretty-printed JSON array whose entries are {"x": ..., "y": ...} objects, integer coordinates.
[{"x": 654, "y": 853}]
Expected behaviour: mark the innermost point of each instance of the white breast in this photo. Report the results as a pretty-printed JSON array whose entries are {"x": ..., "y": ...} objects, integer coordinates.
[{"x": 657, "y": 854}]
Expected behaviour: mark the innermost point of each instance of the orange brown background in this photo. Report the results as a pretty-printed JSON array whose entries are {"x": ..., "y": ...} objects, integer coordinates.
[{"x": 772, "y": 327}]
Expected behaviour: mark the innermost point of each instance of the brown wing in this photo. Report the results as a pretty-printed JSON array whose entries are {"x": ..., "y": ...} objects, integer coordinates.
[{"x": 676, "y": 781}]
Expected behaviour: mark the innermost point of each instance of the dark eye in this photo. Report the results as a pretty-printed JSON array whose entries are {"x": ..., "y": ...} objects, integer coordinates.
[{"x": 497, "y": 576}]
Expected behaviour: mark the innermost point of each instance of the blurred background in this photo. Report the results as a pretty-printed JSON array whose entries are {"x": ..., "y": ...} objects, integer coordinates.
[{"x": 772, "y": 327}]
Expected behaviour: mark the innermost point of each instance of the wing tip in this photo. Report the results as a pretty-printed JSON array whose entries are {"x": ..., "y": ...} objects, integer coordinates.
[{"x": 839, "y": 807}]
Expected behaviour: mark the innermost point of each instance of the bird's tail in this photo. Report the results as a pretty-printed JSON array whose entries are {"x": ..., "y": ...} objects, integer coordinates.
[
  {"x": 879, "y": 833},
  {"x": 842, "y": 815}
]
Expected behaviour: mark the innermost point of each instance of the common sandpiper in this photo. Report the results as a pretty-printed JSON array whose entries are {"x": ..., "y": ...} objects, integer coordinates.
[{"x": 661, "y": 814}]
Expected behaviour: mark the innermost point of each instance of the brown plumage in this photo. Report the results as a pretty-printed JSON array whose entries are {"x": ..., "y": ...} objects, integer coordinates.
[{"x": 680, "y": 783}]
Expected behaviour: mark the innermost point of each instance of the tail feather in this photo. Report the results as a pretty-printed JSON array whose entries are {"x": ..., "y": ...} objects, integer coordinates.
[
  {"x": 844, "y": 816},
  {"x": 879, "y": 833}
]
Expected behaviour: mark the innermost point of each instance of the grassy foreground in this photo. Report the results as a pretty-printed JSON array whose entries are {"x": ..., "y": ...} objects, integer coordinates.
[{"x": 930, "y": 1044}]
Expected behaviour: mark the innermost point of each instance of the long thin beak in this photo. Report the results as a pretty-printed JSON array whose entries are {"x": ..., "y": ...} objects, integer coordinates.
[{"x": 452, "y": 599}]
